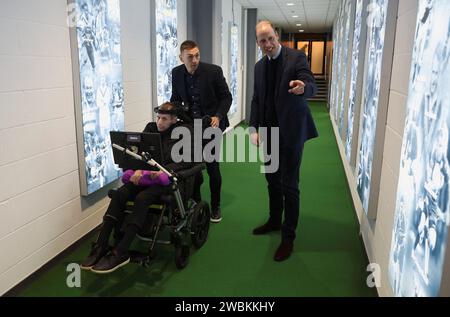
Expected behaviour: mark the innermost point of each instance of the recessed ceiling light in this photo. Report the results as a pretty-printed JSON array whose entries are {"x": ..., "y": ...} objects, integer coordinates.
[
  {"x": 289, "y": 4},
  {"x": 299, "y": 24},
  {"x": 301, "y": 31},
  {"x": 295, "y": 16}
]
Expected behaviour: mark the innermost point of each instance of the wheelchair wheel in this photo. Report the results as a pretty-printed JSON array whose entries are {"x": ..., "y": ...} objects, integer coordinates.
[
  {"x": 181, "y": 256},
  {"x": 200, "y": 224}
]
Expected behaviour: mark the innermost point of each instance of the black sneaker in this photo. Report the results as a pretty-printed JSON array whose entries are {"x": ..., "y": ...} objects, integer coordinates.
[
  {"x": 216, "y": 215},
  {"x": 97, "y": 252},
  {"x": 111, "y": 262}
]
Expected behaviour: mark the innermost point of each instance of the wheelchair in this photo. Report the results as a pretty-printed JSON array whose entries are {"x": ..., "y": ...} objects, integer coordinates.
[{"x": 178, "y": 214}]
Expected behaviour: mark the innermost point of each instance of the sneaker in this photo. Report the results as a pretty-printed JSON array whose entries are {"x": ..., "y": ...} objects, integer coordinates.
[
  {"x": 97, "y": 252},
  {"x": 111, "y": 262},
  {"x": 216, "y": 215}
]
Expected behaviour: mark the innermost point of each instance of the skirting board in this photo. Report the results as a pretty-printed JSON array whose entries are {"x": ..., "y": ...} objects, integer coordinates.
[
  {"x": 365, "y": 228},
  {"x": 26, "y": 267}
]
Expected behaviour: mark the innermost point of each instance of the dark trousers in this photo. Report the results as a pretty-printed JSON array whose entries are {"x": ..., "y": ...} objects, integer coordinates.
[
  {"x": 143, "y": 197},
  {"x": 215, "y": 179},
  {"x": 284, "y": 193},
  {"x": 215, "y": 183}
]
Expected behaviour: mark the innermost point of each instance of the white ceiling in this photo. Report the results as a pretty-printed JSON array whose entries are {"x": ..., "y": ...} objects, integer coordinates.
[{"x": 316, "y": 16}]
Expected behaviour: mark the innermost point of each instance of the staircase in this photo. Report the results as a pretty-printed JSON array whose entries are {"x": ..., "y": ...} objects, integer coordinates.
[{"x": 322, "y": 89}]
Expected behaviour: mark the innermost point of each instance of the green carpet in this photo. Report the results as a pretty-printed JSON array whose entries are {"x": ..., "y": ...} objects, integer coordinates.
[{"x": 328, "y": 259}]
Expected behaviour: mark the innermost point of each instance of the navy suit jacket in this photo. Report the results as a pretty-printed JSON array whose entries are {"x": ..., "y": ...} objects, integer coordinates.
[
  {"x": 294, "y": 116},
  {"x": 215, "y": 97}
]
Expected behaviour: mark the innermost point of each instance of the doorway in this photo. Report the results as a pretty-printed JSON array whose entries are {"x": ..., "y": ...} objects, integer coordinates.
[{"x": 315, "y": 53}]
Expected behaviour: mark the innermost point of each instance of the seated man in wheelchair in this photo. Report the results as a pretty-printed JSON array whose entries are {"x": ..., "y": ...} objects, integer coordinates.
[{"x": 145, "y": 188}]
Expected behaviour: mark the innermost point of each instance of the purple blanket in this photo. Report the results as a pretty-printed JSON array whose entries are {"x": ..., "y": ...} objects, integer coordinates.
[{"x": 146, "y": 179}]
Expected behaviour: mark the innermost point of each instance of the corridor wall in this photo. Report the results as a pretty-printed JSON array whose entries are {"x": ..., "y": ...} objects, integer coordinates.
[
  {"x": 422, "y": 212},
  {"x": 37, "y": 110},
  {"x": 377, "y": 232}
]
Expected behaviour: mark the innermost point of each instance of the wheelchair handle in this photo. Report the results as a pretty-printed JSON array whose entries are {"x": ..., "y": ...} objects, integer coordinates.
[
  {"x": 150, "y": 162},
  {"x": 112, "y": 193}
]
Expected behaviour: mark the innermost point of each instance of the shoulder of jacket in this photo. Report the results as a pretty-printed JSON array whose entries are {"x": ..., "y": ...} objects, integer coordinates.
[
  {"x": 261, "y": 61},
  {"x": 151, "y": 127},
  {"x": 182, "y": 125},
  {"x": 296, "y": 53},
  {"x": 177, "y": 68},
  {"x": 185, "y": 125}
]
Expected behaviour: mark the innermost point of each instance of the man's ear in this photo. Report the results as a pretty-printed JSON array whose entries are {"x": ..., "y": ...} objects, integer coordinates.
[{"x": 180, "y": 58}]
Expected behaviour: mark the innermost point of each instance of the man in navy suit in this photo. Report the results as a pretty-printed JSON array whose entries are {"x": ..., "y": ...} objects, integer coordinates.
[
  {"x": 283, "y": 82},
  {"x": 203, "y": 87}
]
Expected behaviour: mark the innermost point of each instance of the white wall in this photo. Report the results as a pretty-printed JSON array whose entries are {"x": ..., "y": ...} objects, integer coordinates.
[
  {"x": 41, "y": 210},
  {"x": 181, "y": 21},
  {"x": 136, "y": 59},
  {"x": 377, "y": 235}
]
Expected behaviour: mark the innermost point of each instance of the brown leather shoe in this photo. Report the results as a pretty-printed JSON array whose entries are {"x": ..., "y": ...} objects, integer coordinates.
[
  {"x": 266, "y": 228},
  {"x": 284, "y": 250}
]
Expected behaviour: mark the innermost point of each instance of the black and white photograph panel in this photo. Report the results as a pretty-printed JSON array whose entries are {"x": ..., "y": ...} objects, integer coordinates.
[
  {"x": 375, "y": 45},
  {"x": 259, "y": 53},
  {"x": 422, "y": 214},
  {"x": 234, "y": 50},
  {"x": 345, "y": 49},
  {"x": 353, "y": 79},
  {"x": 334, "y": 73},
  {"x": 100, "y": 68},
  {"x": 339, "y": 49},
  {"x": 166, "y": 47}
]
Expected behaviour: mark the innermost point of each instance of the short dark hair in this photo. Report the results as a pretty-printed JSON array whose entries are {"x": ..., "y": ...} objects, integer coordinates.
[
  {"x": 187, "y": 45},
  {"x": 167, "y": 106}
]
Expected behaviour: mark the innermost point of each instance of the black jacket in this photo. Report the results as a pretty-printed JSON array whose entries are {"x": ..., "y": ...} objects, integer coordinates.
[
  {"x": 294, "y": 116},
  {"x": 215, "y": 97},
  {"x": 167, "y": 143}
]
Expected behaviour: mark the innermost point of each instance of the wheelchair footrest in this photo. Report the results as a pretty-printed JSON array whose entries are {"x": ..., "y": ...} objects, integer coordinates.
[
  {"x": 150, "y": 239},
  {"x": 140, "y": 258}
]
